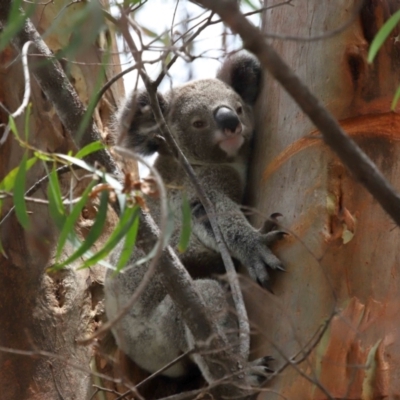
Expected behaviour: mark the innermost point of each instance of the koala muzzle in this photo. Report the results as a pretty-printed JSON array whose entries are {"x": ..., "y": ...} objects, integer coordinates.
[{"x": 228, "y": 121}]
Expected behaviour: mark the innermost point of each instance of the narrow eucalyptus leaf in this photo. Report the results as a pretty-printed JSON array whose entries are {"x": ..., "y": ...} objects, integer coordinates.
[
  {"x": 126, "y": 220},
  {"x": 114, "y": 183},
  {"x": 251, "y": 5},
  {"x": 19, "y": 194},
  {"x": 13, "y": 127},
  {"x": 7, "y": 184},
  {"x": 44, "y": 157},
  {"x": 2, "y": 252},
  {"x": 94, "y": 233},
  {"x": 129, "y": 243},
  {"x": 83, "y": 164},
  {"x": 73, "y": 216},
  {"x": 56, "y": 207},
  {"x": 395, "y": 99},
  {"x": 89, "y": 149},
  {"x": 186, "y": 226},
  {"x": 382, "y": 35}
]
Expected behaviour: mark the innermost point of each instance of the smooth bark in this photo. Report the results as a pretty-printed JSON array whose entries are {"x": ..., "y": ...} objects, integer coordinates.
[
  {"x": 41, "y": 313},
  {"x": 342, "y": 255}
]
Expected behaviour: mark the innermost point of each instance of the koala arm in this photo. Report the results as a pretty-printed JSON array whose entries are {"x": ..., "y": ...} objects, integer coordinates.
[{"x": 245, "y": 243}]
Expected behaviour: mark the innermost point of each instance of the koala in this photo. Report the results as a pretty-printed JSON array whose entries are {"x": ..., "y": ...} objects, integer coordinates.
[{"x": 212, "y": 121}]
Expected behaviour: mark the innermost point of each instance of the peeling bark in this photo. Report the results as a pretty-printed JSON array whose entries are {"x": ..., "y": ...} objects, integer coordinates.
[
  {"x": 41, "y": 312},
  {"x": 342, "y": 255}
]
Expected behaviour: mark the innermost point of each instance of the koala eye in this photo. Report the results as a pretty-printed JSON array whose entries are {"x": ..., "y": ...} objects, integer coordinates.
[
  {"x": 199, "y": 124},
  {"x": 239, "y": 110}
]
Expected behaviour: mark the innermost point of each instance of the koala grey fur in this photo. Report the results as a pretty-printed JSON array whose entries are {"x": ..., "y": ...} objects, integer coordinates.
[{"x": 212, "y": 121}]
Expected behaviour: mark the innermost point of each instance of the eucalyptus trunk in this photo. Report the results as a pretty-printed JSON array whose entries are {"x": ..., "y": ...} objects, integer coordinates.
[
  {"x": 44, "y": 314},
  {"x": 336, "y": 308}
]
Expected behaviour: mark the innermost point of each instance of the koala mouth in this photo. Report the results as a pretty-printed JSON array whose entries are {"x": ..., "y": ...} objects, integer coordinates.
[{"x": 230, "y": 143}]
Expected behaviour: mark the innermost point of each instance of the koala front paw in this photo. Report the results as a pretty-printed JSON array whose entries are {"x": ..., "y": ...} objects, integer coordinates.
[
  {"x": 260, "y": 257},
  {"x": 259, "y": 370}
]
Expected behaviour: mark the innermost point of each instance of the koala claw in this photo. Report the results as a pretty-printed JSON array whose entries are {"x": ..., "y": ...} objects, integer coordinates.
[
  {"x": 260, "y": 258},
  {"x": 271, "y": 224},
  {"x": 260, "y": 368},
  {"x": 270, "y": 259}
]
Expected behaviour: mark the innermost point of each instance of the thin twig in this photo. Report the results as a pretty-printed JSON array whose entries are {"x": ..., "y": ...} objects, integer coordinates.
[
  {"x": 244, "y": 329},
  {"x": 207, "y": 330},
  {"x": 160, "y": 371},
  {"x": 5, "y": 195},
  {"x": 47, "y": 354},
  {"x": 158, "y": 250},
  {"x": 361, "y": 166},
  {"x": 27, "y": 92},
  {"x": 110, "y": 82},
  {"x": 51, "y": 77},
  {"x": 33, "y": 188}
]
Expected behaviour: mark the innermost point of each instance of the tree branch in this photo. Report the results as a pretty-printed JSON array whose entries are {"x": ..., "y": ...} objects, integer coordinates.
[
  {"x": 244, "y": 329},
  {"x": 176, "y": 279},
  {"x": 59, "y": 91},
  {"x": 360, "y": 165}
]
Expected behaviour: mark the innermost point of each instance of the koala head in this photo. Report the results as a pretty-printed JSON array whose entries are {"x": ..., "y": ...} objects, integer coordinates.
[{"x": 211, "y": 119}]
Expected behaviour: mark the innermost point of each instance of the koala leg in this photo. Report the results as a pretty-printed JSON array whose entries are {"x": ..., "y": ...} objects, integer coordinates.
[
  {"x": 222, "y": 309},
  {"x": 153, "y": 333}
]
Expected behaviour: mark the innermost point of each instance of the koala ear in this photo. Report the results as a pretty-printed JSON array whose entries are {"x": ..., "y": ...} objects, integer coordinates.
[
  {"x": 136, "y": 127},
  {"x": 243, "y": 72}
]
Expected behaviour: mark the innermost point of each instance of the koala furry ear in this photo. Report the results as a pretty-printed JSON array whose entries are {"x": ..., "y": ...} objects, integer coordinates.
[
  {"x": 136, "y": 127},
  {"x": 242, "y": 71}
]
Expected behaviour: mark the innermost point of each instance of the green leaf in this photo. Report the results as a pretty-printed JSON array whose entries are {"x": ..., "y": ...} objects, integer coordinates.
[
  {"x": 149, "y": 32},
  {"x": 13, "y": 127},
  {"x": 382, "y": 35},
  {"x": 56, "y": 207},
  {"x": 43, "y": 156},
  {"x": 72, "y": 218},
  {"x": 27, "y": 117},
  {"x": 169, "y": 229},
  {"x": 89, "y": 149},
  {"x": 7, "y": 184},
  {"x": 132, "y": 2},
  {"x": 2, "y": 252},
  {"x": 395, "y": 99},
  {"x": 125, "y": 223},
  {"x": 251, "y": 5},
  {"x": 129, "y": 244},
  {"x": 186, "y": 225},
  {"x": 92, "y": 236},
  {"x": 114, "y": 183},
  {"x": 84, "y": 165},
  {"x": 19, "y": 194}
]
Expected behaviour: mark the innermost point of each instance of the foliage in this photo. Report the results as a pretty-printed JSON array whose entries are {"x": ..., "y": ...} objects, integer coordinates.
[
  {"x": 378, "y": 42},
  {"x": 103, "y": 187},
  {"x": 66, "y": 213},
  {"x": 83, "y": 28}
]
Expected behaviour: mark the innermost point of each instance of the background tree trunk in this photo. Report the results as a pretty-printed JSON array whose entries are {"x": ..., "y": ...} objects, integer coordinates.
[
  {"x": 40, "y": 311},
  {"x": 342, "y": 254}
]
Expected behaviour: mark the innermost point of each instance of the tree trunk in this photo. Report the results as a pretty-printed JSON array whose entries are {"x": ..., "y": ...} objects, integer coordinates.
[
  {"x": 335, "y": 309},
  {"x": 42, "y": 313}
]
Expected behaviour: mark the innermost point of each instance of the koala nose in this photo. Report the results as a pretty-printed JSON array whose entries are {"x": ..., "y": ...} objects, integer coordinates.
[{"x": 226, "y": 119}]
